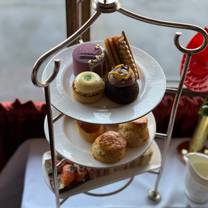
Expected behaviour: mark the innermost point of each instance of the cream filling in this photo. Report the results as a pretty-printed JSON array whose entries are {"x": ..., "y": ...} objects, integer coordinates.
[{"x": 88, "y": 83}]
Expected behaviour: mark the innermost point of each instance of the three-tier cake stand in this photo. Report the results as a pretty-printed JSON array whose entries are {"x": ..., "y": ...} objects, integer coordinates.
[{"x": 100, "y": 7}]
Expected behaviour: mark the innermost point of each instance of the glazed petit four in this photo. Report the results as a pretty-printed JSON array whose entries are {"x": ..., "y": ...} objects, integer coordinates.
[
  {"x": 88, "y": 131},
  {"x": 119, "y": 52},
  {"x": 135, "y": 132},
  {"x": 109, "y": 147},
  {"x": 121, "y": 85},
  {"x": 89, "y": 57},
  {"x": 88, "y": 87}
]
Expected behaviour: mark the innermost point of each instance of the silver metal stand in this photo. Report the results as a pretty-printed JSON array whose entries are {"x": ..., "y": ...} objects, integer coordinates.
[
  {"x": 112, "y": 192},
  {"x": 109, "y": 6}
]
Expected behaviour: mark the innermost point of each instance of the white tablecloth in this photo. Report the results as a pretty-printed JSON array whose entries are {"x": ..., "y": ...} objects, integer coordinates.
[{"x": 37, "y": 195}]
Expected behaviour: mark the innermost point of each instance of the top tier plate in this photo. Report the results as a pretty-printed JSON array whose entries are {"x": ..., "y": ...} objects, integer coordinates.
[{"x": 152, "y": 86}]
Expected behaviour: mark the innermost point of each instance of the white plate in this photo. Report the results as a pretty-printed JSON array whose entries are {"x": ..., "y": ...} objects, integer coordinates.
[
  {"x": 152, "y": 88},
  {"x": 154, "y": 164},
  {"x": 71, "y": 146}
]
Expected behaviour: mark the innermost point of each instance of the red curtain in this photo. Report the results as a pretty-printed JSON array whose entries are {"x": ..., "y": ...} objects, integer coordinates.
[{"x": 18, "y": 122}]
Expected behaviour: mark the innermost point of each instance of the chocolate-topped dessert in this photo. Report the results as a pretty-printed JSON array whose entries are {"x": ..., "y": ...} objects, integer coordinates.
[
  {"x": 89, "y": 57},
  {"x": 121, "y": 85}
]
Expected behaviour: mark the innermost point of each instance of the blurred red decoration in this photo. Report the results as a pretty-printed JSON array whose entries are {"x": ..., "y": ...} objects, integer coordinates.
[{"x": 197, "y": 74}]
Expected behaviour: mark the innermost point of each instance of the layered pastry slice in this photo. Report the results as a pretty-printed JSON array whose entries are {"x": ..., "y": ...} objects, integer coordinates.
[{"x": 119, "y": 52}]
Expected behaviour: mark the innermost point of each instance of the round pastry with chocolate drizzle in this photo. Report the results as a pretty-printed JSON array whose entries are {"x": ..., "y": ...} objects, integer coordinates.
[
  {"x": 122, "y": 86},
  {"x": 89, "y": 57}
]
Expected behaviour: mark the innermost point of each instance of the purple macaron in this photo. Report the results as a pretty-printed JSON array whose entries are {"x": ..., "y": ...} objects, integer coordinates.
[{"x": 88, "y": 57}]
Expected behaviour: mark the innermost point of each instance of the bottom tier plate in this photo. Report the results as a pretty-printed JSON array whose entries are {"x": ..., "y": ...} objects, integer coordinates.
[{"x": 115, "y": 175}]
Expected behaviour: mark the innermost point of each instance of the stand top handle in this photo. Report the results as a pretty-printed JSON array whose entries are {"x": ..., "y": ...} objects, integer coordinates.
[
  {"x": 172, "y": 25},
  {"x": 109, "y": 6},
  {"x": 57, "y": 48}
]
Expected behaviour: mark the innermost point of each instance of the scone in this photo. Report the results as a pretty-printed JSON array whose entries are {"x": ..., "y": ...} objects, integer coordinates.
[
  {"x": 88, "y": 87},
  {"x": 109, "y": 147},
  {"x": 88, "y": 131},
  {"x": 135, "y": 132}
]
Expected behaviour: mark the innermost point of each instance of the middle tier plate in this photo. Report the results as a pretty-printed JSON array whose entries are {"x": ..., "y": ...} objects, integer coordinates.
[
  {"x": 71, "y": 146},
  {"x": 152, "y": 85}
]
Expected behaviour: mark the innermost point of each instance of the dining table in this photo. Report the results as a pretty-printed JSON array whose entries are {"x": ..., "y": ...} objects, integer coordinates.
[{"x": 22, "y": 183}]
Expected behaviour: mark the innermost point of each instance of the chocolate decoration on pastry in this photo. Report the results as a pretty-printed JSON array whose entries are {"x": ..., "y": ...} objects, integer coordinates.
[{"x": 121, "y": 85}]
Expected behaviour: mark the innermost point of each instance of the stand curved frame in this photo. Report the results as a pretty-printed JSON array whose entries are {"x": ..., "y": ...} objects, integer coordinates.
[{"x": 102, "y": 6}]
